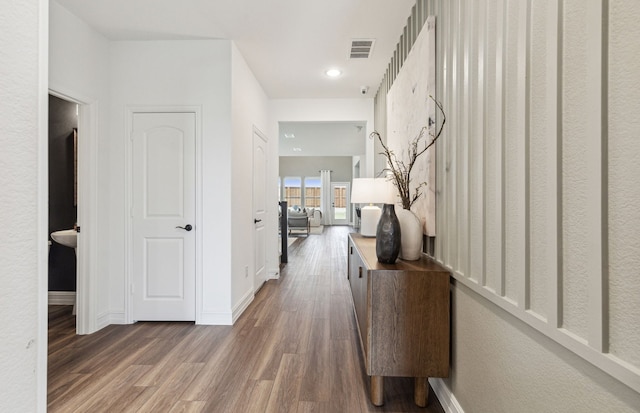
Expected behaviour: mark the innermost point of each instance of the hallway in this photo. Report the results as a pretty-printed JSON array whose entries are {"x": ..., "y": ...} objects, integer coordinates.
[{"x": 295, "y": 349}]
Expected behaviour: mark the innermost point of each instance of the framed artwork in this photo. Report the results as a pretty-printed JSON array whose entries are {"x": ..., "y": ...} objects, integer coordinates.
[{"x": 409, "y": 108}]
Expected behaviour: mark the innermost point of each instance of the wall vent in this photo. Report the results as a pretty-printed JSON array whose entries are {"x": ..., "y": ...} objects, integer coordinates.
[{"x": 361, "y": 48}]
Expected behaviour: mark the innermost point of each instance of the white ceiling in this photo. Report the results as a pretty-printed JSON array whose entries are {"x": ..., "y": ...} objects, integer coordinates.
[{"x": 288, "y": 44}]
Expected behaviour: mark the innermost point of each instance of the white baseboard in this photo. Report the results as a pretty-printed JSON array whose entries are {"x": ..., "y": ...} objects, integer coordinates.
[
  {"x": 112, "y": 317},
  {"x": 273, "y": 274},
  {"x": 445, "y": 397},
  {"x": 242, "y": 305},
  {"x": 215, "y": 319},
  {"x": 62, "y": 297}
]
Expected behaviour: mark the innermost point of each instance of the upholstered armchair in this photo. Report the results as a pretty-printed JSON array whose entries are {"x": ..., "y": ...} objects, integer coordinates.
[{"x": 298, "y": 221}]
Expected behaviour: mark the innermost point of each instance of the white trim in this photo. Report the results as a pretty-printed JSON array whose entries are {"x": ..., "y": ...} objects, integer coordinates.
[
  {"x": 447, "y": 400},
  {"x": 619, "y": 369},
  {"x": 86, "y": 253},
  {"x": 108, "y": 318},
  {"x": 242, "y": 305},
  {"x": 273, "y": 274},
  {"x": 257, "y": 284},
  {"x": 200, "y": 317},
  {"x": 42, "y": 224},
  {"x": 62, "y": 297},
  {"x": 216, "y": 319}
]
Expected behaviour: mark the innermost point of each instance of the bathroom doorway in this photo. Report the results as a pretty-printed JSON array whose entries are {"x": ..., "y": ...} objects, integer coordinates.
[
  {"x": 63, "y": 201},
  {"x": 79, "y": 170}
]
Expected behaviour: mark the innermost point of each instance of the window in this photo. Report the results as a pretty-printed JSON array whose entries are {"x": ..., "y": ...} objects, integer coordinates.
[
  {"x": 293, "y": 191},
  {"x": 312, "y": 192}
]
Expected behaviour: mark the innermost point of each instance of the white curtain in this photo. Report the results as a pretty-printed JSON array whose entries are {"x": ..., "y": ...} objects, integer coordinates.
[{"x": 325, "y": 202}]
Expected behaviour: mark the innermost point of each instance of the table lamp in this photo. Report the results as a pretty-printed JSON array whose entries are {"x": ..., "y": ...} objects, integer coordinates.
[{"x": 371, "y": 191}]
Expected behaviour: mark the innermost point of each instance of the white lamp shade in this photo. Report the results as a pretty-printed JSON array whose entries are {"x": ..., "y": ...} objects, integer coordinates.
[
  {"x": 361, "y": 190},
  {"x": 371, "y": 191},
  {"x": 383, "y": 192}
]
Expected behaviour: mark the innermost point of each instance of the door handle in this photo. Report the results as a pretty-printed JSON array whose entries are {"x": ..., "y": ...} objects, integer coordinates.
[
  {"x": 187, "y": 227},
  {"x": 255, "y": 221}
]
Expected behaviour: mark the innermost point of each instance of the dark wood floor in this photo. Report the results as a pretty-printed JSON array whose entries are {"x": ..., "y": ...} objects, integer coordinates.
[{"x": 295, "y": 349}]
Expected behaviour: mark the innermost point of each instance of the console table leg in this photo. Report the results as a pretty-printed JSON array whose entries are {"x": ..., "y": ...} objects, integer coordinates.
[
  {"x": 377, "y": 390},
  {"x": 421, "y": 391}
]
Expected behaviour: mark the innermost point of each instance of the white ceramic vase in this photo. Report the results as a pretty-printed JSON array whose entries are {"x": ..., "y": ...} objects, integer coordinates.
[{"x": 411, "y": 235}]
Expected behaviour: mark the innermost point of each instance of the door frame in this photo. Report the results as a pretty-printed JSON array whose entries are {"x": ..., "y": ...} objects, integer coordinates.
[
  {"x": 128, "y": 196},
  {"x": 257, "y": 284},
  {"x": 348, "y": 202},
  {"x": 86, "y": 253}
]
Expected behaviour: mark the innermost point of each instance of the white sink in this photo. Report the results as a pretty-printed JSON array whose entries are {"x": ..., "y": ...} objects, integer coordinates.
[{"x": 67, "y": 237}]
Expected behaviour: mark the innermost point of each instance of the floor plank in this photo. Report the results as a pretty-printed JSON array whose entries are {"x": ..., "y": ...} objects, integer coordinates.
[{"x": 295, "y": 349}]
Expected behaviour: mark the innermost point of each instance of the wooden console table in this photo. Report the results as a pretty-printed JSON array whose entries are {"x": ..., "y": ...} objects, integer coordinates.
[{"x": 402, "y": 313}]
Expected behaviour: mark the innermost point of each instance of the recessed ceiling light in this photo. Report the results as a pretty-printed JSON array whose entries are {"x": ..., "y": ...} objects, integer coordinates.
[{"x": 333, "y": 72}]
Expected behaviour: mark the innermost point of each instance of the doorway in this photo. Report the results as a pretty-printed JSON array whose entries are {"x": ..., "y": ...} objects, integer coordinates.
[
  {"x": 86, "y": 204},
  {"x": 259, "y": 207},
  {"x": 340, "y": 203},
  {"x": 63, "y": 201}
]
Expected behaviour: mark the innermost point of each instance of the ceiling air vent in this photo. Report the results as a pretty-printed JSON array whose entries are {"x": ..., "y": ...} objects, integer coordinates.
[{"x": 361, "y": 48}]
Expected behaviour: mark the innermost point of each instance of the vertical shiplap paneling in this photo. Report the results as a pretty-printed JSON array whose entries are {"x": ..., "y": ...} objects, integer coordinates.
[
  {"x": 543, "y": 156},
  {"x": 441, "y": 52},
  {"x": 414, "y": 24},
  {"x": 380, "y": 124},
  {"x": 624, "y": 170},
  {"x": 514, "y": 150},
  {"x": 394, "y": 66},
  {"x": 481, "y": 118},
  {"x": 493, "y": 153},
  {"x": 422, "y": 11},
  {"x": 597, "y": 140},
  {"x": 452, "y": 161},
  {"x": 446, "y": 188},
  {"x": 581, "y": 173},
  {"x": 524, "y": 85},
  {"x": 475, "y": 97},
  {"x": 462, "y": 152},
  {"x": 542, "y": 141},
  {"x": 554, "y": 211}
]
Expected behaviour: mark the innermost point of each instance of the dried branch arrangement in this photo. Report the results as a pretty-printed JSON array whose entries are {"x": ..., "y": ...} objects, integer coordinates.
[{"x": 400, "y": 169}]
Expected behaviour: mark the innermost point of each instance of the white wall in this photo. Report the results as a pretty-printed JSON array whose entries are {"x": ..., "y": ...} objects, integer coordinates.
[
  {"x": 114, "y": 75},
  {"x": 249, "y": 105},
  {"x": 79, "y": 55},
  {"x": 537, "y": 209},
  {"x": 309, "y": 166},
  {"x": 300, "y": 110},
  {"x": 178, "y": 73},
  {"x": 23, "y": 171},
  {"x": 78, "y": 70}
]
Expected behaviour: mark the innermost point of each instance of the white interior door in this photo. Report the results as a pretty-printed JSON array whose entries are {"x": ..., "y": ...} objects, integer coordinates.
[
  {"x": 340, "y": 203},
  {"x": 259, "y": 206},
  {"x": 163, "y": 216}
]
